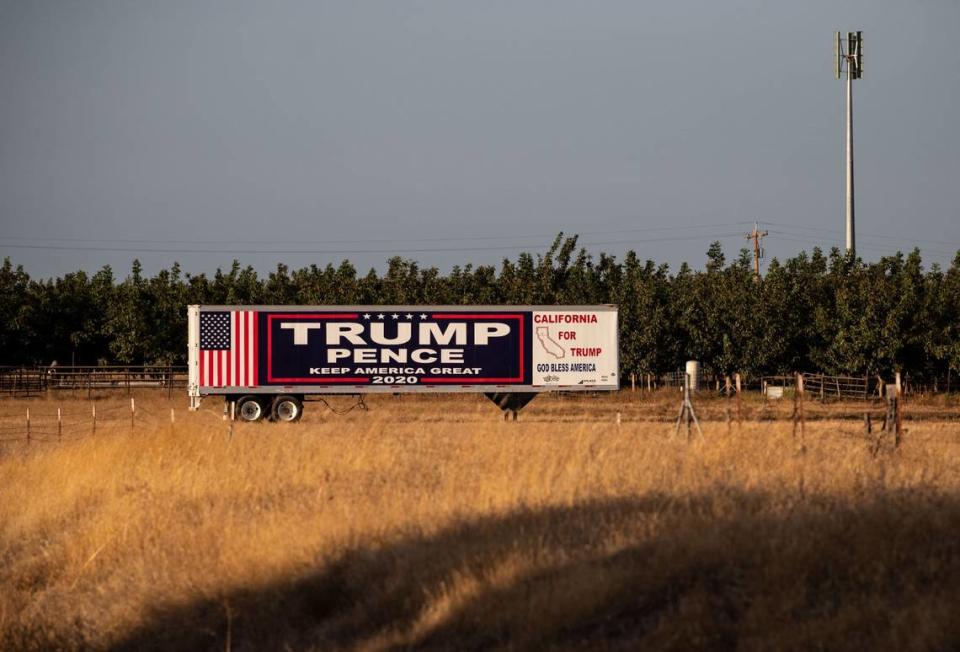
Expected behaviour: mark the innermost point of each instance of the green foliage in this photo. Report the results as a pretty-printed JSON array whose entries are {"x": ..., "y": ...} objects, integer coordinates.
[{"x": 811, "y": 312}]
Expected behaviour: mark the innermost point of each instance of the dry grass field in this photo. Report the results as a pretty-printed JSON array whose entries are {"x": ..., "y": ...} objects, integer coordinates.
[{"x": 431, "y": 523}]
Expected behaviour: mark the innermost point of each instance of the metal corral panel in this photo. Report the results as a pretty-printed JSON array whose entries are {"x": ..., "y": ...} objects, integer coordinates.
[{"x": 361, "y": 349}]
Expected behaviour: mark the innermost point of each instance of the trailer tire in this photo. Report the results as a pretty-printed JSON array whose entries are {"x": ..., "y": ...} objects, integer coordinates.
[
  {"x": 286, "y": 409},
  {"x": 251, "y": 409}
]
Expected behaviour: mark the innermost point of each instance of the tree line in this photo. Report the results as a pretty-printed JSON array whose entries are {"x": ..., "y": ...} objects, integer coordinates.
[{"x": 819, "y": 312}]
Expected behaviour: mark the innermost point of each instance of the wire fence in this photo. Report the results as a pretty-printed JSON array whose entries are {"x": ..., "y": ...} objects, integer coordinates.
[
  {"x": 31, "y": 381},
  {"x": 94, "y": 381},
  {"x": 819, "y": 386},
  {"x": 841, "y": 387},
  {"x": 843, "y": 398},
  {"x": 48, "y": 425},
  {"x": 706, "y": 379},
  {"x": 24, "y": 424}
]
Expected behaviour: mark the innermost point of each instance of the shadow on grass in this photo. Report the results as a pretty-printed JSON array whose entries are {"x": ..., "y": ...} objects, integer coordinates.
[{"x": 721, "y": 571}]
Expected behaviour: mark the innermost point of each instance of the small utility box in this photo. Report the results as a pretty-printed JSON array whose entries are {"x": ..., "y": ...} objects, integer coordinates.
[
  {"x": 693, "y": 374},
  {"x": 774, "y": 391}
]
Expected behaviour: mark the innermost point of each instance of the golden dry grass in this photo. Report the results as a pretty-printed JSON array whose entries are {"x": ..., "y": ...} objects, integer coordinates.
[{"x": 430, "y": 523}]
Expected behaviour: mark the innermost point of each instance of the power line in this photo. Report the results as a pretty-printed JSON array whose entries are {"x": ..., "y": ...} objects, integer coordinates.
[
  {"x": 871, "y": 236},
  {"x": 350, "y": 251},
  {"x": 369, "y": 240},
  {"x": 877, "y": 246},
  {"x": 785, "y": 235}
]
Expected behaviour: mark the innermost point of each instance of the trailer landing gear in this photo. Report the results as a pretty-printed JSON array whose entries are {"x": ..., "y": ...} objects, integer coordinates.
[{"x": 511, "y": 402}]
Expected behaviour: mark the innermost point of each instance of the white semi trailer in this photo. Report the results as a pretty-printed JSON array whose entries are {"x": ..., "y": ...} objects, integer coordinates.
[{"x": 268, "y": 360}]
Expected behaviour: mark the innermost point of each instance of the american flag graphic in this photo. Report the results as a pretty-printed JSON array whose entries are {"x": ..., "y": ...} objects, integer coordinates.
[{"x": 228, "y": 348}]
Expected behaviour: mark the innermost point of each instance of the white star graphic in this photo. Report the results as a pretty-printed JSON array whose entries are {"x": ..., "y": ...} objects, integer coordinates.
[
  {"x": 395, "y": 316},
  {"x": 409, "y": 316},
  {"x": 380, "y": 316},
  {"x": 366, "y": 315}
]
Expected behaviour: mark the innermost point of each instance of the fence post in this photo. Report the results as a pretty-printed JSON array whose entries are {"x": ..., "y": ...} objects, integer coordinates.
[
  {"x": 233, "y": 413},
  {"x": 28, "y": 426},
  {"x": 633, "y": 384},
  {"x": 803, "y": 418},
  {"x": 899, "y": 416},
  {"x": 94, "y": 419},
  {"x": 726, "y": 404},
  {"x": 59, "y": 425},
  {"x": 891, "y": 420},
  {"x": 133, "y": 412},
  {"x": 798, "y": 408},
  {"x": 736, "y": 380},
  {"x": 169, "y": 382},
  {"x": 172, "y": 421}
]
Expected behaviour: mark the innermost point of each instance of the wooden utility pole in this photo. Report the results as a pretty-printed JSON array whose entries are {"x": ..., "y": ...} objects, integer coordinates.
[{"x": 757, "y": 236}]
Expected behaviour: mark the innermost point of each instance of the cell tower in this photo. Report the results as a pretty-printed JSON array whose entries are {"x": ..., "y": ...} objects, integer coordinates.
[{"x": 848, "y": 57}]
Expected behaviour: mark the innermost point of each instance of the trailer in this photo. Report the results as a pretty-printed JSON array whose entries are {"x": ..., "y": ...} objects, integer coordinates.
[{"x": 268, "y": 360}]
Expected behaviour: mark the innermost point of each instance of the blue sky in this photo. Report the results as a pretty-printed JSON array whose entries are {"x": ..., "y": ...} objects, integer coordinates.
[{"x": 453, "y": 132}]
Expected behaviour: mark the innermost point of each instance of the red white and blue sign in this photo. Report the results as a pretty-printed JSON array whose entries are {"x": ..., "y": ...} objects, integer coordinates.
[{"x": 331, "y": 348}]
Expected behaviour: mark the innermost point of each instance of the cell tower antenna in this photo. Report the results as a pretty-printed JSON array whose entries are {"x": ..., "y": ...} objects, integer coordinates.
[{"x": 848, "y": 57}]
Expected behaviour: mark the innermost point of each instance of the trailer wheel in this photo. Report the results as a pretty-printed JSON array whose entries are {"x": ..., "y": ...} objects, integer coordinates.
[
  {"x": 286, "y": 409},
  {"x": 250, "y": 409}
]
